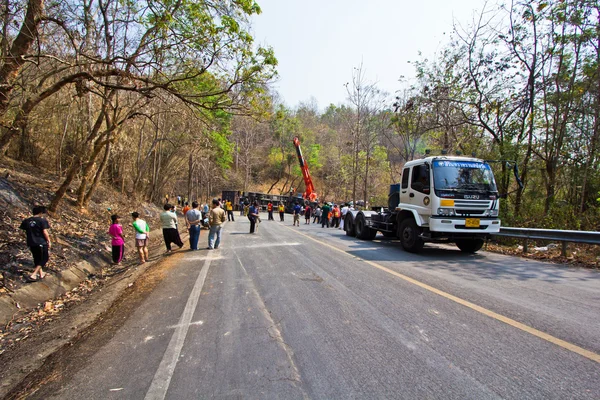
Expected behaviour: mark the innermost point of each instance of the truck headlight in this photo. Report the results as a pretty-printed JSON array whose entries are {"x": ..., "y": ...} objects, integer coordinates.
[
  {"x": 491, "y": 213},
  {"x": 446, "y": 212}
]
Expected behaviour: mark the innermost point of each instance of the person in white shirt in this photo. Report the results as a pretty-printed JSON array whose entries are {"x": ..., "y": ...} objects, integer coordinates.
[
  {"x": 168, "y": 220},
  {"x": 345, "y": 210}
]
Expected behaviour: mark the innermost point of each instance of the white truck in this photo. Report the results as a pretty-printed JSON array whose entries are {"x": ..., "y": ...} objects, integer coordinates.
[{"x": 448, "y": 199}]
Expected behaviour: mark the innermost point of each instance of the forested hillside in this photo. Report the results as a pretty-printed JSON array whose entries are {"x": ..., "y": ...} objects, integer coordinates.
[{"x": 173, "y": 97}]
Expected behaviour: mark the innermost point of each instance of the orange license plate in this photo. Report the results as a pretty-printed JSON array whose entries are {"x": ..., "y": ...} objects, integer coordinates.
[{"x": 472, "y": 223}]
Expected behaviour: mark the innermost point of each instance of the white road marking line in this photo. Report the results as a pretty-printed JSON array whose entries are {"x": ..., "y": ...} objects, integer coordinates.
[
  {"x": 259, "y": 245},
  {"x": 164, "y": 373},
  {"x": 204, "y": 257},
  {"x": 191, "y": 323}
]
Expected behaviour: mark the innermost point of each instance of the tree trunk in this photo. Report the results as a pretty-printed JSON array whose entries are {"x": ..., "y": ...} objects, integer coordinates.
[
  {"x": 191, "y": 168},
  {"x": 98, "y": 175},
  {"x": 550, "y": 186},
  {"x": 14, "y": 60},
  {"x": 60, "y": 193},
  {"x": 87, "y": 169}
]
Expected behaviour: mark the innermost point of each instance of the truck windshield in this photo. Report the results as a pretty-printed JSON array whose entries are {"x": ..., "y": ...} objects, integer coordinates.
[{"x": 463, "y": 175}]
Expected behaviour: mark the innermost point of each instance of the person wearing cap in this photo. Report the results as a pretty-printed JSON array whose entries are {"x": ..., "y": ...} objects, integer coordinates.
[{"x": 118, "y": 240}]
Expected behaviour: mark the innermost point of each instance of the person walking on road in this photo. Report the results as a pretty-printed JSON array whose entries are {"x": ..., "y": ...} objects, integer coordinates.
[
  {"x": 297, "y": 211},
  {"x": 38, "y": 240},
  {"x": 307, "y": 212},
  {"x": 281, "y": 212},
  {"x": 325, "y": 210},
  {"x": 317, "y": 217},
  {"x": 142, "y": 235},
  {"x": 253, "y": 215},
  {"x": 168, "y": 220},
  {"x": 270, "y": 210},
  {"x": 216, "y": 218},
  {"x": 118, "y": 240},
  {"x": 193, "y": 221},
  {"x": 229, "y": 208}
]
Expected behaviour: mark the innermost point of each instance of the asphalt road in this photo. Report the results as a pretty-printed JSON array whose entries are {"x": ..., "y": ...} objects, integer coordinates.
[{"x": 306, "y": 312}]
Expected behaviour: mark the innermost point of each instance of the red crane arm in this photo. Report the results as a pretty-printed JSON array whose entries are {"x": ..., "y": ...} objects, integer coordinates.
[{"x": 310, "y": 193}]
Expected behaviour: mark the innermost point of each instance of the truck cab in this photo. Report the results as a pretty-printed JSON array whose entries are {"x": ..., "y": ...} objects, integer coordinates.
[
  {"x": 451, "y": 194},
  {"x": 446, "y": 199},
  {"x": 450, "y": 199}
]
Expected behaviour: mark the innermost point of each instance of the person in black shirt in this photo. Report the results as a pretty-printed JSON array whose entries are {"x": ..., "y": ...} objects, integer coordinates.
[
  {"x": 253, "y": 215},
  {"x": 38, "y": 240}
]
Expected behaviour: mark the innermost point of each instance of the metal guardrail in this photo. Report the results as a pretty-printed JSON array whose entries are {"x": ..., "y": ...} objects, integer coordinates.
[{"x": 558, "y": 235}]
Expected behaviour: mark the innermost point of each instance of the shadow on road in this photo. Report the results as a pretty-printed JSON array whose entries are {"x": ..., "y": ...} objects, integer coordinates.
[{"x": 469, "y": 266}]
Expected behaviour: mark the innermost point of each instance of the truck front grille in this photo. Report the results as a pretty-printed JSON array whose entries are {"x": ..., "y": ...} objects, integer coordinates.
[{"x": 469, "y": 212}]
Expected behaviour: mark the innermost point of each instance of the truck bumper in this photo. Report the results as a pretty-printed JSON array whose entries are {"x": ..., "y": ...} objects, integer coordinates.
[{"x": 457, "y": 225}]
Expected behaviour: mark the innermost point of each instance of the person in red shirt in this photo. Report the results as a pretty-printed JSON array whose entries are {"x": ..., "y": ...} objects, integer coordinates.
[
  {"x": 307, "y": 213},
  {"x": 270, "y": 210}
]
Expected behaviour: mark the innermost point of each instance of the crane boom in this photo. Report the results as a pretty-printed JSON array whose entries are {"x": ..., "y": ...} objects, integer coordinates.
[{"x": 310, "y": 193}]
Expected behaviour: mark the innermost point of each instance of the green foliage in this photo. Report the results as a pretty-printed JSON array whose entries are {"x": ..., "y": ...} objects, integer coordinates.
[{"x": 222, "y": 148}]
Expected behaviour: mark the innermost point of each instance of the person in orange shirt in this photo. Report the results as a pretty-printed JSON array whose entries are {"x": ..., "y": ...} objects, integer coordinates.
[
  {"x": 186, "y": 208},
  {"x": 270, "y": 210},
  {"x": 335, "y": 223}
]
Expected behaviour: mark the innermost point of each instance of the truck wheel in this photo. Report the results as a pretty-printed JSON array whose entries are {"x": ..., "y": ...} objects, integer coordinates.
[
  {"x": 363, "y": 231},
  {"x": 469, "y": 245},
  {"x": 349, "y": 226},
  {"x": 409, "y": 232}
]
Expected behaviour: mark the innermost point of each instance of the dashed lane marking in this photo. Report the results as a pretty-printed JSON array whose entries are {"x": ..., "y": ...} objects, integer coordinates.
[{"x": 499, "y": 317}]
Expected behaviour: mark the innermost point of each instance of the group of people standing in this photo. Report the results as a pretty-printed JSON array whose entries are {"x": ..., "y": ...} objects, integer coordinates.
[
  {"x": 328, "y": 214},
  {"x": 38, "y": 239},
  {"x": 213, "y": 217}
]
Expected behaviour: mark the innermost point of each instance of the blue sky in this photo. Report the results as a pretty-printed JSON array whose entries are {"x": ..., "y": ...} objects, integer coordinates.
[{"x": 318, "y": 43}]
